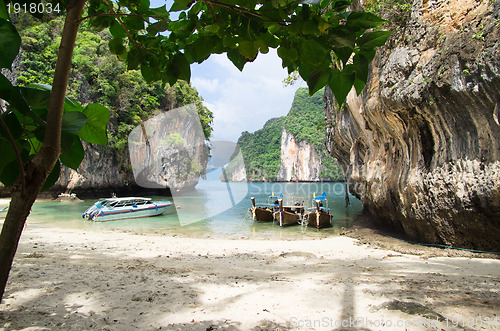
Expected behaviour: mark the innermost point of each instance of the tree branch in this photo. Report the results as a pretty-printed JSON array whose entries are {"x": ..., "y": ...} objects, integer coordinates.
[
  {"x": 233, "y": 8},
  {"x": 116, "y": 15},
  {"x": 51, "y": 147},
  {"x": 129, "y": 35}
]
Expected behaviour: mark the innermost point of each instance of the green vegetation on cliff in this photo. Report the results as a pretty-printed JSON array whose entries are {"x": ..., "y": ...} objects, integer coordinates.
[
  {"x": 98, "y": 76},
  {"x": 261, "y": 150}
]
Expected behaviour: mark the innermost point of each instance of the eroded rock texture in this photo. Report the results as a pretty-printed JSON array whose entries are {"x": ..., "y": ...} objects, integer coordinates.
[
  {"x": 299, "y": 161},
  {"x": 421, "y": 144}
]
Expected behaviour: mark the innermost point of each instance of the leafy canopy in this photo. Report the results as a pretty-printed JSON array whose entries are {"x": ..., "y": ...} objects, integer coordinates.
[
  {"x": 327, "y": 43},
  {"x": 23, "y": 117}
]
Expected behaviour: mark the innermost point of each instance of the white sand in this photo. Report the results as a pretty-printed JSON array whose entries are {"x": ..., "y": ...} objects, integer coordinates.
[{"x": 65, "y": 279}]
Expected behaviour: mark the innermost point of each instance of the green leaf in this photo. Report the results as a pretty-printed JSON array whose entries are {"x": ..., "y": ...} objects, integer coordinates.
[
  {"x": 230, "y": 41},
  {"x": 117, "y": 30},
  {"x": 370, "y": 40},
  {"x": 9, "y": 43},
  {"x": 359, "y": 85},
  {"x": 9, "y": 173},
  {"x": 181, "y": 5},
  {"x": 159, "y": 11},
  {"x": 212, "y": 28},
  {"x": 116, "y": 46},
  {"x": 157, "y": 27},
  {"x": 180, "y": 67},
  {"x": 201, "y": 48},
  {"x": 343, "y": 53},
  {"x": 360, "y": 65},
  {"x": 18, "y": 102},
  {"x": 94, "y": 130},
  {"x": 73, "y": 122},
  {"x": 9, "y": 168},
  {"x": 53, "y": 177},
  {"x": 8, "y": 154},
  {"x": 288, "y": 55},
  {"x": 248, "y": 49},
  {"x": 235, "y": 57},
  {"x": 364, "y": 20},
  {"x": 341, "y": 5},
  {"x": 73, "y": 156},
  {"x": 5, "y": 87},
  {"x": 71, "y": 105},
  {"x": 13, "y": 125},
  {"x": 3, "y": 11},
  {"x": 39, "y": 95},
  {"x": 342, "y": 37},
  {"x": 133, "y": 59},
  {"x": 150, "y": 73},
  {"x": 317, "y": 80},
  {"x": 313, "y": 53},
  {"x": 37, "y": 98},
  {"x": 341, "y": 83},
  {"x": 133, "y": 23},
  {"x": 310, "y": 27}
]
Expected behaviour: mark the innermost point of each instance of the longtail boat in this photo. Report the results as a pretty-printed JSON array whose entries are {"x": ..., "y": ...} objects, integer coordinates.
[
  {"x": 289, "y": 215},
  {"x": 319, "y": 216},
  {"x": 264, "y": 212}
]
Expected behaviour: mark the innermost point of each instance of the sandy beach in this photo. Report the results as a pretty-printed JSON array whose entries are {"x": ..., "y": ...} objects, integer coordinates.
[{"x": 67, "y": 279}]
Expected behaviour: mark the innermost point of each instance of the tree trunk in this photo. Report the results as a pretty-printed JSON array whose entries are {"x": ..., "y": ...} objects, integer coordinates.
[{"x": 37, "y": 170}]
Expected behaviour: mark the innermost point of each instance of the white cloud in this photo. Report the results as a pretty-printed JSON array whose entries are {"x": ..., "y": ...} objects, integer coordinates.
[
  {"x": 243, "y": 101},
  {"x": 209, "y": 85}
]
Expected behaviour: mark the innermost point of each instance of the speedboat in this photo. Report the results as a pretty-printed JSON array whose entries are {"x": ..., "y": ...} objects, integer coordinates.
[{"x": 122, "y": 208}]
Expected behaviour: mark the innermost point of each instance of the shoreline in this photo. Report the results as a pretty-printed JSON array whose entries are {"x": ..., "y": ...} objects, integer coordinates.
[{"x": 111, "y": 280}]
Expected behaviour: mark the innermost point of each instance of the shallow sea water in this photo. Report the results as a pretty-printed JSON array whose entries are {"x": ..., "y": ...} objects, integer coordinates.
[{"x": 214, "y": 209}]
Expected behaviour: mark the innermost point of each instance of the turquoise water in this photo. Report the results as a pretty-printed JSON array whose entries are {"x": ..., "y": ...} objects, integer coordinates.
[{"x": 213, "y": 210}]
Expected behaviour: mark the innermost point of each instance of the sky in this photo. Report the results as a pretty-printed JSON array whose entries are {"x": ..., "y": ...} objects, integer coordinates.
[{"x": 241, "y": 101}]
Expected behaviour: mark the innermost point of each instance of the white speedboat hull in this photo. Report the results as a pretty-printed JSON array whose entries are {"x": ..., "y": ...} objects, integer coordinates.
[{"x": 110, "y": 210}]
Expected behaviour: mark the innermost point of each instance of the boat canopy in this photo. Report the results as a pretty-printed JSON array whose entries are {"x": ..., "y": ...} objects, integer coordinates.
[
  {"x": 320, "y": 198},
  {"x": 122, "y": 202}
]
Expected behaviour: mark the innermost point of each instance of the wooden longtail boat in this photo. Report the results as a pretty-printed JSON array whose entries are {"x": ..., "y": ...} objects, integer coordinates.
[
  {"x": 264, "y": 212},
  {"x": 288, "y": 215},
  {"x": 319, "y": 215}
]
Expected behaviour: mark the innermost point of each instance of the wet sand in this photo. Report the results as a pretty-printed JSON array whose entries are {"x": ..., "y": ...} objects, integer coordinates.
[{"x": 66, "y": 279}]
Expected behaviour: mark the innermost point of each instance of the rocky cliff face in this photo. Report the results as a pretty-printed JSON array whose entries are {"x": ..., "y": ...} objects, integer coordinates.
[
  {"x": 167, "y": 152},
  {"x": 299, "y": 161},
  {"x": 421, "y": 144},
  {"x": 99, "y": 174}
]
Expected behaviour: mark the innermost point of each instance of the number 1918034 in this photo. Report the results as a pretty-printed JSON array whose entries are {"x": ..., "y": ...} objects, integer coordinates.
[{"x": 33, "y": 8}]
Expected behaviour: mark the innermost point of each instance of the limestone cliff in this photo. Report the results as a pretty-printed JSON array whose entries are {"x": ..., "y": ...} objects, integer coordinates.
[
  {"x": 169, "y": 155},
  {"x": 99, "y": 174},
  {"x": 288, "y": 148},
  {"x": 169, "y": 150},
  {"x": 299, "y": 160},
  {"x": 421, "y": 144}
]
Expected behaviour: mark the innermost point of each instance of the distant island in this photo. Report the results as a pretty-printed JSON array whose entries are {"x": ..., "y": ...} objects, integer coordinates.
[{"x": 288, "y": 148}]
